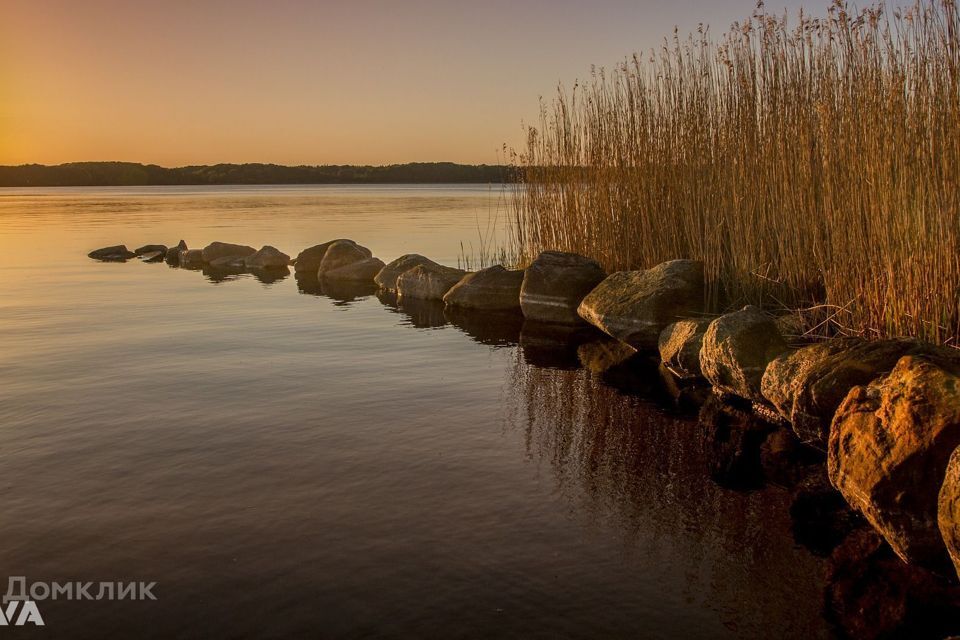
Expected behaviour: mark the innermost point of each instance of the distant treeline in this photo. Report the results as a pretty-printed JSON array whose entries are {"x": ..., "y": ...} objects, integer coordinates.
[{"x": 102, "y": 174}]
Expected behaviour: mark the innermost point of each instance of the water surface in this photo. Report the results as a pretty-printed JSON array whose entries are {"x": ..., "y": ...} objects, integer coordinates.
[{"x": 288, "y": 463}]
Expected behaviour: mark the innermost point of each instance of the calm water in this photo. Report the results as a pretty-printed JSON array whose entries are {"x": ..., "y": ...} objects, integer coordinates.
[{"x": 287, "y": 463}]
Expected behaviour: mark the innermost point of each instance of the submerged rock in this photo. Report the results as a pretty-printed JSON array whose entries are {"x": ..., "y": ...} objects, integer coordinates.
[
  {"x": 493, "y": 288},
  {"x": 737, "y": 347},
  {"x": 219, "y": 250},
  {"x": 948, "y": 510},
  {"x": 555, "y": 284},
  {"x": 680, "y": 344},
  {"x": 870, "y": 593},
  {"x": 340, "y": 254},
  {"x": 173, "y": 253},
  {"x": 387, "y": 278},
  {"x": 428, "y": 281},
  {"x": 117, "y": 253},
  {"x": 267, "y": 258},
  {"x": 806, "y": 386},
  {"x": 635, "y": 306},
  {"x": 360, "y": 271},
  {"x": 150, "y": 248},
  {"x": 890, "y": 443}
]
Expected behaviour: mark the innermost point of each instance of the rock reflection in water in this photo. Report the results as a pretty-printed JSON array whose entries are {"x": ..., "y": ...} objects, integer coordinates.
[
  {"x": 422, "y": 314},
  {"x": 622, "y": 457},
  {"x": 554, "y": 346},
  {"x": 268, "y": 276},
  {"x": 340, "y": 292},
  {"x": 496, "y": 329}
]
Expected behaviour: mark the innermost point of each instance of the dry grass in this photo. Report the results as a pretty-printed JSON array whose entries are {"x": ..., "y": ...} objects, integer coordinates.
[{"x": 807, "y": 163}]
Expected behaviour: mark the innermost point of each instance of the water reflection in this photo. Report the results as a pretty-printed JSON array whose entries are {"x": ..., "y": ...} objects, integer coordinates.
[
  {"x": 421, "y": 314},
  {"x": 342, "y": 293},
  {"x": 493, "y": 328},
  {"x": 555, "y": 346}
]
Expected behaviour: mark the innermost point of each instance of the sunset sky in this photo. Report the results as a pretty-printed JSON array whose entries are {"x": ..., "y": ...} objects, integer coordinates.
[{"x": 298, "y": 82}]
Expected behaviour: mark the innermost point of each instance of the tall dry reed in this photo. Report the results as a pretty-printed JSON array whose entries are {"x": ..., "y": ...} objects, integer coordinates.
[{"x": 806, "y": 162}]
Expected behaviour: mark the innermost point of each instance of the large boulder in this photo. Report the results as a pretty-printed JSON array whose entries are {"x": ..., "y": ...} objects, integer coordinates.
[
  {"x": 267, "y": 258},
  {"x": 948, "y": 510},
  {"x": 806, "y": 386},
  {"x": 387, "y": 278},
  {"x": 340, "y": 254},
  {"x": 635, "y": 306},
  {"x": 117, "y": 253},
  {"x": 218, "y": 250},
  {"x": 173, "y": 253},
  {"x": 555, "y": 284},
  {"x": 680, "y": 344},
  {"x": 493, "y": 288},
  {"x": 427, "y": 281},
  {"x": 150, "y": 248},
  {"x": 309, "y": 259},
  {"x": 191, "y": 258},
  {"x": 360, "y": 271},
  {"x": 736, "y": 350},
  {"x": 890, "y": 443}
]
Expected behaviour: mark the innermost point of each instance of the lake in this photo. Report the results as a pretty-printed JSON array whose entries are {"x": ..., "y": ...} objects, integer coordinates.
[{"x": 285, "y": 461}]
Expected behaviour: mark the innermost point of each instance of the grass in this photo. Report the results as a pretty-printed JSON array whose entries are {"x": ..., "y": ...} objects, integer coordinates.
[{"x": 811, "y": 163}]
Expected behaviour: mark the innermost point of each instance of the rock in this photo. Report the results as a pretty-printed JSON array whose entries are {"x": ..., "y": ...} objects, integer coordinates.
[
  {"x": 493, "y": 288},
  {"x": 786, "y": 461},
  {"x": 218, "y": 250},
  {"x": 870, "y": 593},
  {"x": 635, "y": 306},
  {"x": 600, "y": 355},
  {"x": 151, "y": 248},
  {"x": 191, "y": 258},
  {"x": 387, "y": 278},
  {"x": 267, "y": 258},
  {"x": 427, "y": 281},
  {"x": 227, "y": 262},
  {"x": 340, "y": 254},
  {"x": 555, "y": 284},
  {"x": 360, "y": 271},
  {"x": 890, "y": 443},
  {"x": 173, "y": 253},
  {"x": 679, "y": 345},
  {"x": 948, "y": 510},
  {"x": 153, "y": 256},
  {"x": 806, "y": 386},
  {"x": 309, "y": 259},
  {"x": 736, "y": 350},
  {"x": 118, "y": 253}
]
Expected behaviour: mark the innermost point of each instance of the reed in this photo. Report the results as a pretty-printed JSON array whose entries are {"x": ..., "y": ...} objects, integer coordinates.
[{"x": 810, "y": 163}]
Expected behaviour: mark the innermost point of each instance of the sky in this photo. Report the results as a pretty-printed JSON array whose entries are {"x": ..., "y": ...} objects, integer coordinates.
[{"x": 309, "y": 82}]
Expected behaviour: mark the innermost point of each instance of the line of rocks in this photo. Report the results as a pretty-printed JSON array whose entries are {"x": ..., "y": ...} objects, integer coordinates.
[{"x": 887, "y": 412}]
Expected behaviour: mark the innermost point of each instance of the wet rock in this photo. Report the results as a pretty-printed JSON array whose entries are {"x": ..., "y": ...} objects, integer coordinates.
[
  {"x": 387, "y": 278},
  {"x": 340, "y": 254},
  {"x": 493, "y": 288},
  {"x": 267, "y": 258},
  {"x": 870, "y": 593},
  {"x": 679, "y": 345},
  {"x": 191, "y": 258},
  {"x": 890, "y": 443},
  {"x": 150, "y": 248},
  {"x": 635, "y": 306},
  {"x": 736, "y": 350},
  {"x": 153, "y": 256},
  {"x": 360, "y": 271},
  {"x": 821, "y": 519},
  {"x": 555, "y": 284},
  {"x": 173, "y": 253},
  {"x": 948, "y": 510},
  {"x": 602, "y": 354},
  {"x": 227, "y": 262},
  {"x": 218, "y": 250},
  {"x": 117, "y": 253},
  {"x": 786, "y": 461},
  {"x": 806, "y": 386},
  {"x": 734, "y": 436},
  {"x": 427, "y": 281},
  {"x": 685, "y": 393},
  {"x": 309, "y": 259}
]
